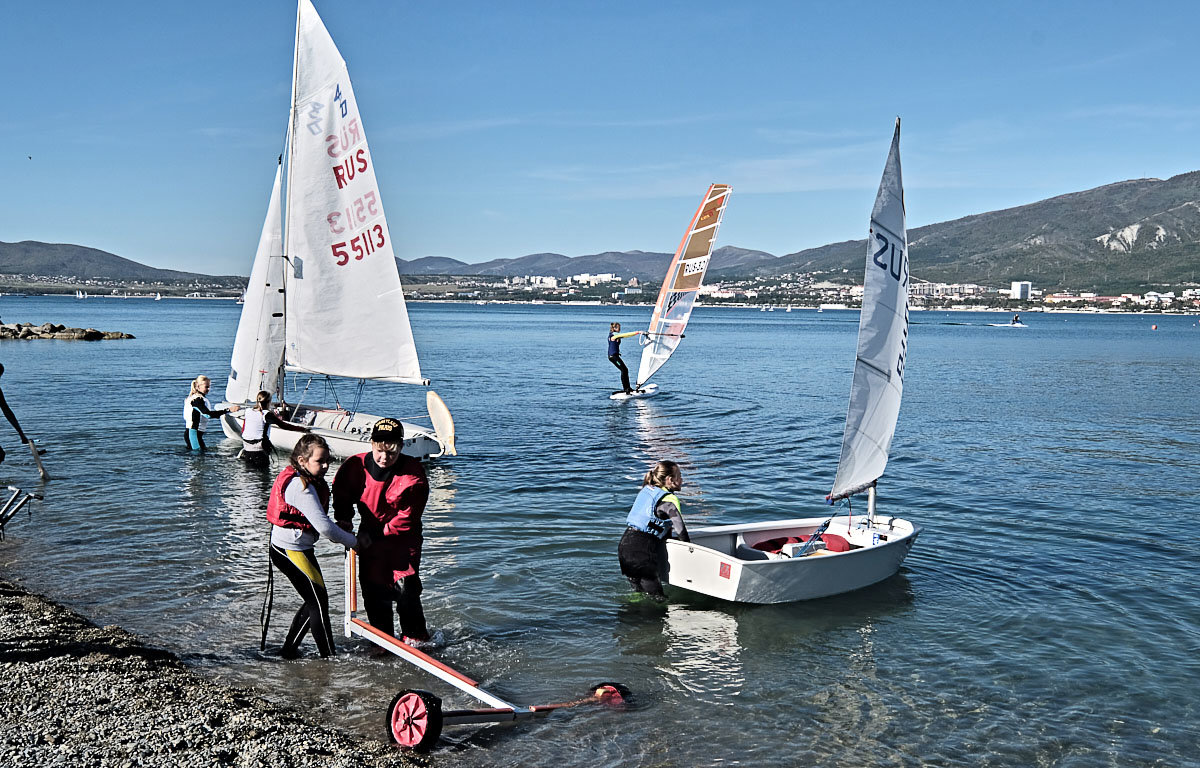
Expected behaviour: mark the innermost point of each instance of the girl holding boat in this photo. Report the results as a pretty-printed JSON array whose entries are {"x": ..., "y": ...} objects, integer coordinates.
[
  {"x": 256, "y": 443},
  {"x": 655, "y": 517},
  {"x": 197, "y": 411}
]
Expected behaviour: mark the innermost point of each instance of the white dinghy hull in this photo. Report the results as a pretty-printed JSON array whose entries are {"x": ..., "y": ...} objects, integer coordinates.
[
  {"x": 347, "y": 434},
  {"x": 720, "y": 560},
  {"x": 650, "y": 390}
]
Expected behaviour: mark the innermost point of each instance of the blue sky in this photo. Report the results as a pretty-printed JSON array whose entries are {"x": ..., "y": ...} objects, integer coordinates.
[{"x": 501, "y": 129}]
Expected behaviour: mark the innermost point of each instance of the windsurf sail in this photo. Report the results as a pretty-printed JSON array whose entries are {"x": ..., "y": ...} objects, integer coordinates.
[
  {"x": 346, "y": 314},
  {"x": 258, "y": 346},
  {"x": 882, "y": 339},
  {"x": 682, "y": 284}
]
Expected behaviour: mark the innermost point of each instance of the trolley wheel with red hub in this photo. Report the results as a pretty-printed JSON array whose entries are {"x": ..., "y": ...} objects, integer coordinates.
[{"x": 414, "y": 720}]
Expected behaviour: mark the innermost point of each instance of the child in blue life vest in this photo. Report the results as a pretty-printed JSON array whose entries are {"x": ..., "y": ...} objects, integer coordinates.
[{"x": 655, "y": 517}]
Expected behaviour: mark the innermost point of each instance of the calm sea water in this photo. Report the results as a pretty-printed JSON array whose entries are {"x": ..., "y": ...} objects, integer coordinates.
[{"x": 1048, "y": 616}]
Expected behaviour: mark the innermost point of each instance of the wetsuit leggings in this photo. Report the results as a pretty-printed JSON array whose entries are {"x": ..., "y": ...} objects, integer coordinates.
[
  {"x": 301, "y": 568},
  {"x": 617, "y": 361},
  {"x": 256, "y": 459},
  {"x": 193, "y": 439},
  {"x": 641, "y": 556},
  {"x": 406, "y": 594}
]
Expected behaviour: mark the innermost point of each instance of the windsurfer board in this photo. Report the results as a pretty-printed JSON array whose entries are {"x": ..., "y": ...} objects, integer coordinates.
[{"x": 647, "y": 391}]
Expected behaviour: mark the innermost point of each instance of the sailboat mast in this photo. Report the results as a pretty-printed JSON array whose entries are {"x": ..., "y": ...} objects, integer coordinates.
[{"x": 289, "y": 151}]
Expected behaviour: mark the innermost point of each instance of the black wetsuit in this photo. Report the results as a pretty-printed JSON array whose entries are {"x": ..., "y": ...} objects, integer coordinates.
[
  {"x": 12, "y": 418},
  {"x": 614, "y": 357},
  {"x": 642, "y": 555}
]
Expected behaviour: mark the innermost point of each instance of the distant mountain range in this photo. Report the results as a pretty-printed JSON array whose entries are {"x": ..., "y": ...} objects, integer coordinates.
[
  {"x": 1127, "y": 236},
  {"x": 82, "y": 263},
  {"x": 1120, "y": 237},
  {"x": 644, "y": 265}
]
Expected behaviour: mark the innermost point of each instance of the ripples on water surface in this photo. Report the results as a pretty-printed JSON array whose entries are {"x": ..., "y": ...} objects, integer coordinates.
[{"x": 1047, "y": 616}]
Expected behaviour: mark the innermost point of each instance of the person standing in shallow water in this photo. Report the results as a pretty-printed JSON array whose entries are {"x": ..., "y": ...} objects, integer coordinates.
[
  {"x": 256, "y": 442},
  {"x": 197, "y": 411},
  {"x": 389, "y": 491},
  {"x": 297, "y": 511},
  {"x": 614, "y": 353},
  {"x": 655, "y": 517},
  {"x": 12, "y": 418}
]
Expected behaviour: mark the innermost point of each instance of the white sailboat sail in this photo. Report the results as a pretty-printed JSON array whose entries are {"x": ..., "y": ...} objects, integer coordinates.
[
  {"x": 882, "y": 339},
  {"x": 258, "y": 346},
  {"x": 345, "y": 309},
  {"x": 682, "y": 283}
]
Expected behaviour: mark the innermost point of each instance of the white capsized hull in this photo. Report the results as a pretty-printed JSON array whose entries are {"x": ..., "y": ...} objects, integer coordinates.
[
  {"x": 347, "y": 434},
  {"x": 720, "y": 562}
]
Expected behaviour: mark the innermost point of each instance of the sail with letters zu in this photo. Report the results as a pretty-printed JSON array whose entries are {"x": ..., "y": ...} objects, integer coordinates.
[
  {"x": 682, "y": 284},
  {"x": 878, "y": 381},
  {"x": 258, "y": 346}
]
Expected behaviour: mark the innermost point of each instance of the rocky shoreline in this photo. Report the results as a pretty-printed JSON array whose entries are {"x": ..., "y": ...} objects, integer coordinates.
[
  {"x": 74, "y": 694},
  {"x": 24, "y": 331}
]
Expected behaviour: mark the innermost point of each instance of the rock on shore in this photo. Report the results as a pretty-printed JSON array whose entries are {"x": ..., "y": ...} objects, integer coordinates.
[
  {"x": 24, "y": 331},
  {"x": 74, "y": 694}
]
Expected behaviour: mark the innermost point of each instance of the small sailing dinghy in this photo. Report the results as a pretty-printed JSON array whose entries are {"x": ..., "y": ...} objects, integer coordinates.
[
  {"x": 679, "y": 290},
  {"x": 788, "y": 560},
  {"x": 324, "y": 297}
]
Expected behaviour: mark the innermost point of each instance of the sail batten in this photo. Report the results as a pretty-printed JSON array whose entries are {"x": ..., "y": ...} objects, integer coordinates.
[
  {"x": 878, "y": 381},
  {"x": 681, "y": 286}
]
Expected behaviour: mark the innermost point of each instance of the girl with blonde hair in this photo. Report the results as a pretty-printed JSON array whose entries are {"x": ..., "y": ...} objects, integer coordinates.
[
  {"x": 655, "y": 517},
  {"x": 197, "y": 411}
]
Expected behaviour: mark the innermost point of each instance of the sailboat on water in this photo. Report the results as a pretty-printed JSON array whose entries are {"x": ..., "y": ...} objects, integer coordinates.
[
  {"x": 679, "y": 290},
  {"x": 324, "y": 298},
  {"x": 787, "y": 560}
]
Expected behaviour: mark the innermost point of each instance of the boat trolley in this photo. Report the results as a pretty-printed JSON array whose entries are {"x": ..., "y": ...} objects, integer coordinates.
[
  {"x": 16, "y": 502},
  {"x": 415, "y": 717}
]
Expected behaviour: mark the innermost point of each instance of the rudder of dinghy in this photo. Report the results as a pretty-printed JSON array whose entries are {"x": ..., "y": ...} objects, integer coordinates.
[{"x": 443, "y": 422}]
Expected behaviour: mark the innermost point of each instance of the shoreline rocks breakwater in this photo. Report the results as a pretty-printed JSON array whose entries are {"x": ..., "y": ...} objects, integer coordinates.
[{"x": 24, "y": 331}]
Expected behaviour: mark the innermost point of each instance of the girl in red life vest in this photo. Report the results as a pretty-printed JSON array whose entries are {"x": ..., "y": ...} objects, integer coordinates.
[
  {"x": 297, "y": 512},
  {"x": 654, "y": 518},
  {"x": 389, "y": 492}
]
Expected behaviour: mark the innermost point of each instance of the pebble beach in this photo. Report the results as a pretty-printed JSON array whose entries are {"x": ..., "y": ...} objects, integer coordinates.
[{"x": 75, "y": 694}]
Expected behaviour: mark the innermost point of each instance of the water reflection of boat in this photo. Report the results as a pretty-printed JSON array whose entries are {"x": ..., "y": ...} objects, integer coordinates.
[{"x": 703, "y": 653}]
